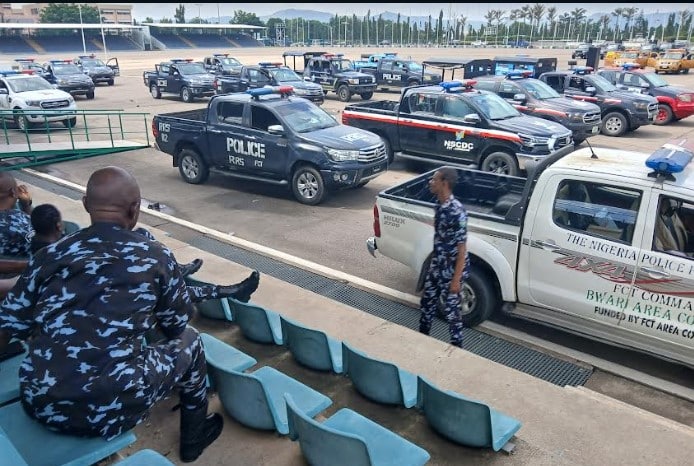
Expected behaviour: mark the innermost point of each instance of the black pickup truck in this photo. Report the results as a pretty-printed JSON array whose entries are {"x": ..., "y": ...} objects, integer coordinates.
[
  {"x": 269, "y": 74},
  {"x": 222, "y": 64},
  {"x": 336, "y": 74},
  {"x": 398, "y": 72},
  {"x": 533, "y": 97},
  {"x": 453, "y": 123},
  {"x": 270, "y": 136},
  {"x": 621, "y": 110},
  {"x": 182, "y": 77}
]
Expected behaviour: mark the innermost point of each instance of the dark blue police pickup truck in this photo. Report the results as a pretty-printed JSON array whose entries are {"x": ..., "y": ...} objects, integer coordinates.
[
  {"x": 452, "y": 123},
  {"x": 269, "y": 135},
  {"x": 179, "y": 76}
]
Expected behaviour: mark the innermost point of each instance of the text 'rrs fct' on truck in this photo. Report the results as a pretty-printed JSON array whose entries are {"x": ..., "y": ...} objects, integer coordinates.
[
  {"x": 267, "y": 135},
  {"x": 599, "y": 243},
  {"x": 452, "y": 123}
]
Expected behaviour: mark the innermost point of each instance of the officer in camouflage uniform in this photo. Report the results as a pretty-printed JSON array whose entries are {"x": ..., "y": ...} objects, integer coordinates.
[
  {"x": 15, "y": 225},
  {"x": 84, "y": 305},
  {"x": 450, "y": 263}
]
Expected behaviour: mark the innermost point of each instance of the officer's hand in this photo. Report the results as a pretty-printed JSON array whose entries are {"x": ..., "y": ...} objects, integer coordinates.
[
  {"x": 455, "y": 287},
  {"x": 23, "y": 194}
]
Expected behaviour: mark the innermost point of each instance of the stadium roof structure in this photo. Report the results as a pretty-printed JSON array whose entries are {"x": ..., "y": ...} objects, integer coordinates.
[
  {"x": 67, "y": 26},
  {"x": 203, "y": 26}
]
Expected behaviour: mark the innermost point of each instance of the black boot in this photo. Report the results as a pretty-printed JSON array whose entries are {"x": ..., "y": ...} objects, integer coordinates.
[
  {"x": 241, "y": 291},
  {"x": 191, "y": 268},
  {"x": 198, "y": 431}
]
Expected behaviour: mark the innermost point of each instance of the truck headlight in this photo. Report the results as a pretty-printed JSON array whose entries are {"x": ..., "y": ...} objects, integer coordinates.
[
  {"x": 298, "y": 91},
  {"x": 641, "y": 105},
  {"x": 353, "y": 81},
  {"x": 684, "y": 97},
  {"x": 62, "y": 82},
  {"x": 339, "y": 155},
  {"x": 575, "y": 116},
  {"x": 71, "y": 100},
  {"x": 532, "y": 141},
  {"x": 33, "y": 103}
]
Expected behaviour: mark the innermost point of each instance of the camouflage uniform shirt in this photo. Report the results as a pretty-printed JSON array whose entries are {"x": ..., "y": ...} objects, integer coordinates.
[
  {"x": 17, "y": 232},
  {"x": 84, "y": 304}
]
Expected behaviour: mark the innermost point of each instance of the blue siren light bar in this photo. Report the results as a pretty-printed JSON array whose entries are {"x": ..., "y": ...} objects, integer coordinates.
[
  {"x": 630, "y": 66},
  {"x": 671, "y": 158},
  {"x": 9, "y": 72},
  {"x": 518, "y": 74},
  {"x": 583, "y": 69},
  {"x": 457, "y": 86},
  {"x": 267, "y": 90}
]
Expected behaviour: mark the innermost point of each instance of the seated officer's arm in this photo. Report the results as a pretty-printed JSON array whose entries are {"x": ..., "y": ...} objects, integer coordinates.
[
  {"x": 16, "y": 310},
  {"x": 174, "y": 308},
  {"x": 12, "y": 266}
]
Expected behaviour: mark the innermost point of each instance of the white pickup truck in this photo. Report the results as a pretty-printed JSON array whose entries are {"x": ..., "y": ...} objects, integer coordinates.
[{"x": 599, "y": 242}]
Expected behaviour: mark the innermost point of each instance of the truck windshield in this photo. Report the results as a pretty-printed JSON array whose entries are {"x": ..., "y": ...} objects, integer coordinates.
[
  {"x": 494, "y": 107},
  {"x": 189, "y": 69},
  {"x": 304, "y": 117},
  {"x": 229, "y": 62},
  {"x": 672, "y": 56},
  {"x": 655, "y": 79},
  {"x": 92, "y": 62},
  {"x": 602, "y": 83},
  {"x": 29, "y": 83},
  {"x": 65, "y": 70},
  {"x": 283, "y": 75},
  {"x": 343, "y": 65},
  {"x": 538, "y": 89}
]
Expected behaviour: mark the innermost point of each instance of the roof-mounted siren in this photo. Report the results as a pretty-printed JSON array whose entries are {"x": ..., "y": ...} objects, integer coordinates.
[
  {"x": 630, "y": 66},
  {"x": 24, "y": 60},
  {"x": 671, "y": 158},
  {"x": 269, "y": 63},
  {"x": 220, "y": 55},
  {"x": 9, "y": 72},
  {"x": 518, "y": 74},
  {"x": 283, "y": 91},
  {"x": 458, "y": 86},
  {"x": 181, "y": 60},
  {"x": 582, "y": 69},
  {"x": 87, "y": 56}
]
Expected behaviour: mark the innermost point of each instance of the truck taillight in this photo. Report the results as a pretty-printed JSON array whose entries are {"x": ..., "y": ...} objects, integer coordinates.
[
  {"x": 344, "y": 118},
  {"x": 155, "y": 130},
  {"x": 377, "y": 222}
]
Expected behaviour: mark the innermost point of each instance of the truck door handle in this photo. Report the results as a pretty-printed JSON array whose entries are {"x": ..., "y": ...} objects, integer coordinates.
[
  {"x": 550, "y": 245},
  {"x": 215, "y": 131},
  {"x": 655, "y": 273}
]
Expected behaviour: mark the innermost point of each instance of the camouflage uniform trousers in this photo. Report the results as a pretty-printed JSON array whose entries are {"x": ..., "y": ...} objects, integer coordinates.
[{"x": 437, "y": 284}]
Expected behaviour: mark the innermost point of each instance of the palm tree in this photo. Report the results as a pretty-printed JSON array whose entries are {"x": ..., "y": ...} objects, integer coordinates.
[
  {"x": 462, "y": 20},
  {"x": 565, "y": 20},
  {"x": 499, "y": 16},
  {"x": 604, "y": 22},
  {"x": 514, "y": 15},
  {"x": 618, "y": 13},
  {"x": 551, "y": 19},
  {"x": 684, "y": 16},
  {"x": 628, "y": 14},
  {"x": 537, "y": 11},
  {"x": 578, "y": 15}
]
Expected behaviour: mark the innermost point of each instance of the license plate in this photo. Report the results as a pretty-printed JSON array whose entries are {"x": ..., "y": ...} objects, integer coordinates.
[{"x": 595, "y": 130}]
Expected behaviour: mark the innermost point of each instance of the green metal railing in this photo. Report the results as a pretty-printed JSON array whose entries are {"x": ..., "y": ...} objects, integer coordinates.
[{"x": 38, "y": 137}]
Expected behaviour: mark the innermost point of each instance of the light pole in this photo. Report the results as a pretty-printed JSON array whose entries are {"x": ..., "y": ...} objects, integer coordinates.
[
  {"x": 84, "y": 45},
  {"x": 199, "y": 18},
  {"x": 345, "y": 22}
]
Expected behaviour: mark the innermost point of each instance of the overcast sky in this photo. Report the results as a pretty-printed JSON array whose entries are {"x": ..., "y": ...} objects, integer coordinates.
[{"x": 475, "y": 11}]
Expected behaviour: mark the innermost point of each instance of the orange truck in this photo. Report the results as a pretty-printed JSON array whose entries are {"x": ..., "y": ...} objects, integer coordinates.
[{"x": 674, "y": 61}]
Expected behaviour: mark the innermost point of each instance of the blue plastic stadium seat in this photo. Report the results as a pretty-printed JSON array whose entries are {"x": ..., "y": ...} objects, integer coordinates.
[
  {"x": 222, "y": 354},
  {"x": 257, "y": 323},
  {"x": 145, "y": 457},
  {"x": 212, "y": 308},
  {"x": 9, "y": 456},
  {"x": 465, "y": 421},
  {"x": 54, "y": 449},
  {"x": 377, "y": 380},
  {"x": 256, "y": 399},
  {"x": 312, "y": 348},
  {"x": 349, "y": 439},
  {"x": 9, "y": 378}
]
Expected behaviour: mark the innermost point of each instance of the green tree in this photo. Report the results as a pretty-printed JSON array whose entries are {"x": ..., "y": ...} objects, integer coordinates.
[
  {"x": 243, "y": 17},
  {"x": 166, "y": 21},
  {"x": 69, "y": 13},
  {"x": 629, "y": 14},
  {"x": 552, "y": 20},
  {"x": 149, "y": 19},
  {"x": 439, "y": 27},
  {"x": 180, "y": 14},
  {"x": 617, "y": 13}
]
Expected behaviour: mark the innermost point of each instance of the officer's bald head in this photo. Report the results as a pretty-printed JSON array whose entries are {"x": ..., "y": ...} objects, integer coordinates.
[
  {"x": 8, "y": 190},
  {"x": 113, "y": 195}
]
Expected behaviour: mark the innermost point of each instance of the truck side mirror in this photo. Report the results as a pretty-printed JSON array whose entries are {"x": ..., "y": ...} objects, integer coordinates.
[
  {"x": 277, "y": 130},
  {"x": 591, "y": 90},
  {"x": 472, "y": 118},
  {"x": 519, "y": 97}
]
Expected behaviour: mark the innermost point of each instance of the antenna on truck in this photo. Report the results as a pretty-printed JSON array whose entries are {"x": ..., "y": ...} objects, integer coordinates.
[{"x": 593, "y": 155}]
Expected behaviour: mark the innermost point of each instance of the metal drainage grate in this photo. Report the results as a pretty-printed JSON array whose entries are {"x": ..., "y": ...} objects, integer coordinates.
[
  {"x": 510, "y": 354},
  {"x": 530, "y": 361}
]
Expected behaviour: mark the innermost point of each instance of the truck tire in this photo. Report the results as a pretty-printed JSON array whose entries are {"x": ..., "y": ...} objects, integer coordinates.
[
  {"x": 664, "y": 116},
  {"x": 90, "y": 95},
  {"x": 308, "y": 186},
  {"x": 192, "y": 167},
  {"x": 614, "y": 124},
  {"x": 186, "y": 95},
  {"x": 366, "y": 95},
  {"x": 111, "y": 82},
  {"x": 478, "y": 298},
  {"x": 22, "y": 123},
  {"x": 154, "y": 90},
  {"x": 70, "y": 122},
  {"x": 343, "y": 93},
  {"x": 389, "y": 150},
  {"x": 500, "y": 162}
]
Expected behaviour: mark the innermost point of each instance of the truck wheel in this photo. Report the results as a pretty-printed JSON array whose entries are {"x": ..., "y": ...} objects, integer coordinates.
[
  {"x": 366, "y": 95},
  {"x": 90, "y": 95},
  {"x": 70, "y": 122},
  {"x": 154, "y": 90},
  {"x": 186, "y": 95},
  {"x": 389, "y": 150},
  {"x": 478, "y": 300},
  {"x": 192, "y": 167},
  {"x": 614, "y": 124},
  {"x": 500, "y": 162},
  {"x": 111, "y": 82},
  {"x": 21, "y": 122},
  {"x": 308, "y": 186},
  {"x": 664, "y": 116},
  {"x": 344, "y": 94}
]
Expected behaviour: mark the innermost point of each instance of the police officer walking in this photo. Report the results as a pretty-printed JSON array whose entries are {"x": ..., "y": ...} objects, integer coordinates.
[
  {"x": 84, "y": 305},
  {"x": 450, "y": 263}
]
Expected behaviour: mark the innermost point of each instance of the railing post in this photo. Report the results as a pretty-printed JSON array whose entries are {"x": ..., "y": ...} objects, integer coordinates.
[
  {"x": 110, "y": 130},
  {"x": 120, "y": 122},
  {"x": 86, "y": 128},
  {"x": 146, "y": 129}
]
